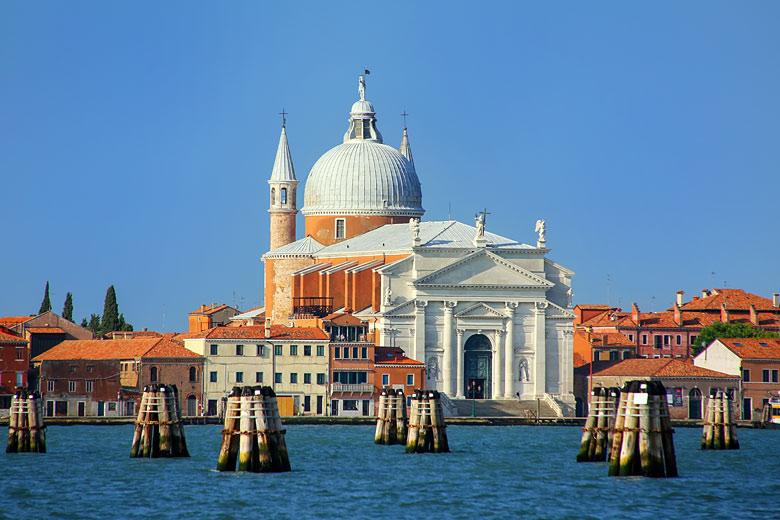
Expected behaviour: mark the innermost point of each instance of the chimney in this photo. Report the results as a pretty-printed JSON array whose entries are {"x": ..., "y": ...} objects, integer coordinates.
[
  {"x": 753, "y": 315},
  {"x": 635, "y": 313},
  {"x": 604, "y": 340},
  {"x": 775, "y": 300},
  {"x": 704, "y": 293},
  {"x": 695, "y": 298},
  {"x": 267, "y": 328},
  {"x": 680, "y": 298},
  {"x": 143, "y": 329},
  {"x": 678, "y": 311},
  {"x": 724, "y": 313}
]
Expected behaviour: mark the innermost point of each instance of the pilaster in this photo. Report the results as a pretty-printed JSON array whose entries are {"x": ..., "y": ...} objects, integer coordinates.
[
  {"x": 540, "y": 348},
  {"x": 449, "y": 382}
]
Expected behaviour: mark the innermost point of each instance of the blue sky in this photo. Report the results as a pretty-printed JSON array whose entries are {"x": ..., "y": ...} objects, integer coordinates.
[{"x": 137, "y": 138}]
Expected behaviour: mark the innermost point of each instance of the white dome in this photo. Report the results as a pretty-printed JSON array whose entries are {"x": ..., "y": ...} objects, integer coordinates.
[
  {"x": 362, "y": 107},
  {"x": 363, "y": 177}
]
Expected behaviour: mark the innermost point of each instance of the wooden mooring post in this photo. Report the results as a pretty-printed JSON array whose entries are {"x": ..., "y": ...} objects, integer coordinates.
[
  {"x": 427, "y": 431},
  {"x": 253, "y": 433},
  {"x": 158, "y": 427},
  {"x": 643, "y": 443},
  {"x": 597, "y": 433},
  {"x": 26, "y": 431},
  {"x": 719, "y": 431},
  {"x": 391, "y": 417}
]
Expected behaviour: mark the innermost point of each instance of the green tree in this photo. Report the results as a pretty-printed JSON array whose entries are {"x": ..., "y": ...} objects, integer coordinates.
[
  {"x": 67, "y": 309},
  {"x": 727, "y": 330},
  {"x": 84, "y": 323},
  {"x": 94, "y": 324},
  {"x": 110, "y": 312},
  {"x": 123, "y": 325},
  {"x": 46, "y": 303}
]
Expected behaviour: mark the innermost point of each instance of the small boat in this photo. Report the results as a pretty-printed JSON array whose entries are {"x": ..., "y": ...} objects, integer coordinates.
[{"x": 771, "y": 416}]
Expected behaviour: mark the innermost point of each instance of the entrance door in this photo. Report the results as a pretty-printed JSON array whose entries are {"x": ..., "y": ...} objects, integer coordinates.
[
  {"x": 82, "y": 408},
  {"x": 319, "y": 405},
  {"x": 366, "y": 404},
  {"x": 694, "y": 404},
  {"x": 334, "y": 407},
  {"x": 478, "y": 361},
  {"x": 101, "y": 408},
  {"x": 212, "y": 407},
  {"x": 747, "y": 407},
  {"x": 192, "y": 406}
]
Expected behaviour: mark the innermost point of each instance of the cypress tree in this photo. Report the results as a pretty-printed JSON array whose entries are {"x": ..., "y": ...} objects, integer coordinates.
[
  {"x": 67, "y": 309},
  {"x": 110, "y": 312},
  {"x": 94, "y": 324},
  {"x": 46, "y": 303},
  {"x": 84, "y": 323}
]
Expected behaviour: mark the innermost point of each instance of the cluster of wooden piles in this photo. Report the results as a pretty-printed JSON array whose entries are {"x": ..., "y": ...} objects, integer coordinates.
[
  {"x": 253, "y": 434},
  {"x": 391, "y": 417},
  {"x": 158, "y": 427},
  {"x": 720, "y": 427},
  {"x": 26, "y": 431},
  {"x": 427, "y": 431},
  {"x": 599, "y": 427},
  {"x": 643, "y": 442}
]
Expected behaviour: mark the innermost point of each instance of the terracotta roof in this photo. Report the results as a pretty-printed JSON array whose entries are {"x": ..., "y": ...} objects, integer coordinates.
[
  {"x": 10, "y": 321},
  {"x": 114, "y": 349},
  {"x": 592, "y": 307},
  {"x": 579, "y": 360},
  {"x": 45, "y": 330},
  {"x": 613, "y": 339},
  {"x": 753, "y": 348},
  {"x": 257, "y": 332},
  {"x": 10, "y": 337},
  {"x": 343, "y": 319},
  {"x": 733, "y": 298},
  {"x": 662, "y": 367},
  {"x": 211, "y": 309},
  {"x": 394, "y": 356}
]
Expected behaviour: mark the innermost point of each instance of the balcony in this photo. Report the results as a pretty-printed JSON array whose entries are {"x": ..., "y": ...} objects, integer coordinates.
[
  {"x": 359, "y": 388},
  {"x": 312, "y": 306}
]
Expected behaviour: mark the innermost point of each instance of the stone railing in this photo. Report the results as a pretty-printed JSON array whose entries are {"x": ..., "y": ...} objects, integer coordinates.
[{"x": 354, "y": 388}]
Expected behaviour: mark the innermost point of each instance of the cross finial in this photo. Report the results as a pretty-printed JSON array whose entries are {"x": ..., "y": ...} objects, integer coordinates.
[
  {"x": 284, "y": 117},
  {"x": 404, "y": 116},
  {"x": 484, "y": 214}
]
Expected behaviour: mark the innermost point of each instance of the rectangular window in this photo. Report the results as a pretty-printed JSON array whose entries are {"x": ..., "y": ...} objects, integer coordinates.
[
  {"x": 307, "y": 350},
  {"x": 306, "y": 378},
  {"x": 213, "y": 377},
  {"x": 354, "y": 352},
  {"x": 630, "y": 337},
  {"x": 321, "y": 378},
  {"x": 73, "y": 369},
  {"x": 20, "y": 353},
  {"x": 49, "y": 385},
  {"x": 746, "y": 375},
  {"x": 775, "y": 376},
  {"x": 658, "y": 342},
  {"x": 90, "y": 386},
  {"x": 20, "y": 379},
  {"x": 71, "y": 386},
  {"x": 277, "y": 377},
  {"x": 765, "y": 375},
  {"x": 346, "y": 352},
  {"x": 90, "y": 368},
  {"x": 239, "y": 350},
  {"x": 364, "y": 352},
  {"x": 213, "y": 350},
  {"x": 385, "y": 379},
  {"x": 336, "y": 352},
  {"x": 258, "y": 377},
  {"x": 350, "y": 404},
  {"x": 340, "y": 228},
  {"x": 112, "y": 407},
  {"x": 293, "y": 377},
  {"x": 293, "y": 350},
  {"x": 692, "y": 340},
  {"x": 277, "y": 350},
  {"x": 667, "y": 340},
  {"x": 644, "y": 339},
  {"x": 239, "y": 377},
  {"x": 410, "y": 379},
  {"x": 320, "y": 350},
  {"x": 261, "y": 350},
  {"x": 679, "y": 339}
]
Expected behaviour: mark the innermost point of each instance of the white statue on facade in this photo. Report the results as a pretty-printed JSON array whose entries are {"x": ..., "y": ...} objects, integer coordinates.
[
  {"x": 480, "y": 220},
  {"x": 433, "y": 368},
  {"x": 362, "y": 88},
  {"x": 414, "y": 225},
  {"x": 523, "y": 369},
  {"x": 568, "y": 297},
  {"x": 541, "y": 228},
  {"x": 388, "y": 296}
]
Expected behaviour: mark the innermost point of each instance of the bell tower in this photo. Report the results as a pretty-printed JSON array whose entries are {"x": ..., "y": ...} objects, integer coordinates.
[{"x": 283, "y": 205}]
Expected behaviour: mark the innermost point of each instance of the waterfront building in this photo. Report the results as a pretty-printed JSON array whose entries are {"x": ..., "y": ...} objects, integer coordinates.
[
  {"x": 479, "y": 310},
  {"x": 292, "y": 360},
  {"x": 755, "y": 362},
  {"x": 14, "y": 364},
  {"x": 686, "y": 385},
  {"x": 104, "y": 378},
  {"x": 669, "y": 333}
]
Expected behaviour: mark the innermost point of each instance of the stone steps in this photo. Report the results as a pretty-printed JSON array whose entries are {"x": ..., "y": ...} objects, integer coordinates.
[{"x": 502, "y": 408}]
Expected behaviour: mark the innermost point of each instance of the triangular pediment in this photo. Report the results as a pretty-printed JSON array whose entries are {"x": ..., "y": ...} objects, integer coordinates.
[
  {"x": 483, "y": 269},
  {"x": 403, "y": 309},
  {"x": 555, "y": 312},
  {"x": 480, "y": 310}
]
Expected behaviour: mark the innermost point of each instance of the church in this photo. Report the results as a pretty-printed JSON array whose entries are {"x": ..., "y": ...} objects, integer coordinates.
[{"x": 489, "y": 316}]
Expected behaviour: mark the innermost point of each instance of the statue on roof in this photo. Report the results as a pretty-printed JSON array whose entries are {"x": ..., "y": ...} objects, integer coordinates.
[
  {"x": 541, "y": 228},
  {"x": 414, "y": 225},
  {"x": 480, "y": 220},
  {"x": 362, "y": 88}
]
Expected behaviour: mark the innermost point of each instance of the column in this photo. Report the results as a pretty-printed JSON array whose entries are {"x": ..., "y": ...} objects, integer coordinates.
[
  {"x": 459, "y": 364},
  {"x": 567, "y": 364},
  {"x": 449, "y": 382},
  {"x": 540, "y": 354},
  {"x": 497, "y": 388},
  {"x": 419, "y": 330},
  {"x": 510, "y": 367}
]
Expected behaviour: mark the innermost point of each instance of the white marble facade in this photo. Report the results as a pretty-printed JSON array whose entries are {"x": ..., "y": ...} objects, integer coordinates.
[{"x": 498, "y": 319}]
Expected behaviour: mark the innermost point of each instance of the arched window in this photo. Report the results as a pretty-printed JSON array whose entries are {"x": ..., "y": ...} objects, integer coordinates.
[
  {"x": 283, "y": 196},
  {"x": 153, "y": 375},
  {"x": 273, "y": 196},
  {"x": 694, "y": 404},
  {"x": 193, "y": 375}
]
